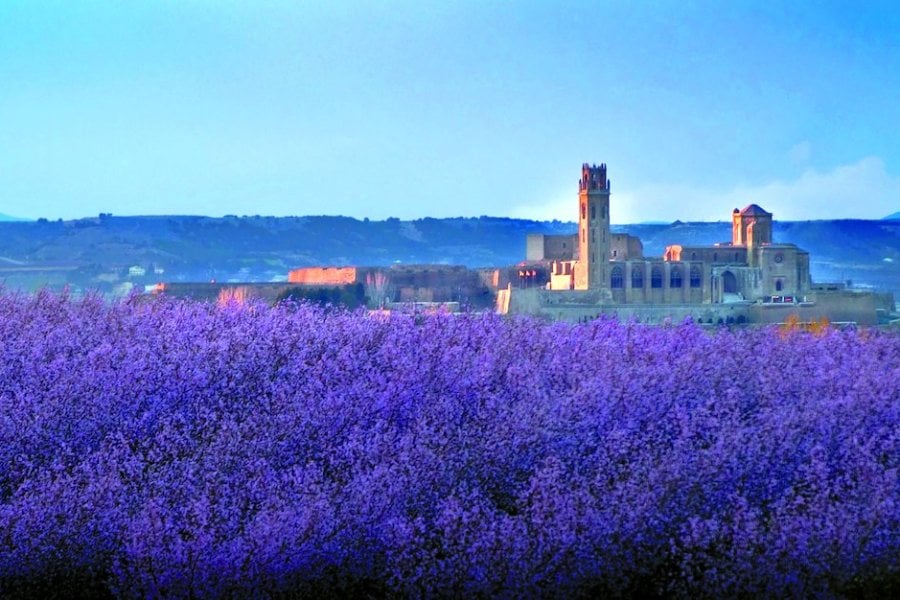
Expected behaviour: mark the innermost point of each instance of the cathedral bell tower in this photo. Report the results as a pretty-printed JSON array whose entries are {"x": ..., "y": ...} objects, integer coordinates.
[{"x": 592, "y": 268}]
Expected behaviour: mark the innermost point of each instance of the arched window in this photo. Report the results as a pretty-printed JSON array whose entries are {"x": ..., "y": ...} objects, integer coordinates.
[
  {"x": 778, "y": 285},
  {"x": 693, "y": 256},
  {"x": 593, "y": 211},
  {"x": 729, "y": 283},
  {"x": 696, "y": 276},
  {"x": 656, "y": 277},
  {"x": 615, "y": 279},
  {"x": 637, "y": 276},
  {"x": 675, "y": 277},
  {"x": 583, "y": 211},
  {"x": 715, "y": 257}
]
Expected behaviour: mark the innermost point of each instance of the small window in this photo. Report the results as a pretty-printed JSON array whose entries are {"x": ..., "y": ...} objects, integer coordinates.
[
  {"x": 583, "y": 211},
  {"x": 675, "y": 277},
  {"x": 593, "y": 211},
  {"x": 693, "y": 256},
  {"x": 615, "y": 252},
  {"x": 656, "y": 277},
  {"x": 715, "y": 257},
  {"x": 616, "y": 279},
  {"x": 779, "y": 285}
]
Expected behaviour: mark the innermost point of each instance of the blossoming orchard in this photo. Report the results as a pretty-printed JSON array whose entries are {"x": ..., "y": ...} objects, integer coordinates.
[{"x": 163, "y": 448}]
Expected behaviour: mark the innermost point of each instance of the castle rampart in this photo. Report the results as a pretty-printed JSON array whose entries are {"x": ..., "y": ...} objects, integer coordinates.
[{"x": 329, "y": 276}]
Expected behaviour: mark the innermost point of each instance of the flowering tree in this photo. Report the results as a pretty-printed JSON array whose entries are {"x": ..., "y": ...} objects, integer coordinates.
[{"x": 165, "y": 448}]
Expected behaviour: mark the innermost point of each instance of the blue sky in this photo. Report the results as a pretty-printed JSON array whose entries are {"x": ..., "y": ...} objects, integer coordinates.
[{"x": 414, "y": 109}]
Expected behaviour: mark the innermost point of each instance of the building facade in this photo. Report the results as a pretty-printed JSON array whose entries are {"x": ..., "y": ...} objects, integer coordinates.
[{"x": 750, "y": 267}]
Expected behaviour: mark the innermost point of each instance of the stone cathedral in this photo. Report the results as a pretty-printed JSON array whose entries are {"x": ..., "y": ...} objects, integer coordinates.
[{"x": 750, "y": 278}]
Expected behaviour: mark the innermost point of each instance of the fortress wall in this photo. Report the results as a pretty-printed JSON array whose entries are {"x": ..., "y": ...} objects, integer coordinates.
[
  {"x": 268, "y": 292},
  {"x": 848, "y": 306},
  {"x": 411, "y": 283},
  {"x": 885, "y": 301},
  {"x": 431, "y": 276},
  {"x": 838, "y": 306},
  {"x": 442, "y": 283},
  {"x": 331, "y": 276},
  {"x": 644, "y": 313}
]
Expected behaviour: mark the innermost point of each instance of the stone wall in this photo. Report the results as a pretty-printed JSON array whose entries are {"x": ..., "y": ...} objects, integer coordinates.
[
  {"x": 580, "y": 305},
  {"x": 625, "y": 247},
  {"x": 837, "y": 307},
  {"x": 330, "y": 276},
  {"x": 550, "y": 247},
  {"x": 268, "y": 292},
  {"x": 785, "y": 266},
  {"x": 722, "y": 254},
  {"x": 441, "y": 283},
  {"x": 670, "y": 274}
]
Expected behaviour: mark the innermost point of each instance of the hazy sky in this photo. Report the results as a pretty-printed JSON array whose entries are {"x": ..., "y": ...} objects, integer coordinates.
[{"x": 413, "y": 109}]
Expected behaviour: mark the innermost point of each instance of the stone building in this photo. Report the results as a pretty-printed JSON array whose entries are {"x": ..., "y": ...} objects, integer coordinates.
[{"x": 595, "y": 271}]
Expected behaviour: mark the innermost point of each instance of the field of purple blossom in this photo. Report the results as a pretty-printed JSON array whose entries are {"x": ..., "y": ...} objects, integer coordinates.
[{"x": 163, "y": 448}]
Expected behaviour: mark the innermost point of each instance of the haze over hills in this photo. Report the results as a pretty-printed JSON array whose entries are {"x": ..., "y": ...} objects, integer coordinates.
[
  {"x": 112, "y": 253},
  {"x": 895, "y": 215}
]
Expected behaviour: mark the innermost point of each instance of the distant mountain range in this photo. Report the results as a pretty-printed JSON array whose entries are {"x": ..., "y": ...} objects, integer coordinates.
[
  {"x": 895, "y": 215},
  {"x": 9, "y": 218},
  {"x": 112, "y": 253}
]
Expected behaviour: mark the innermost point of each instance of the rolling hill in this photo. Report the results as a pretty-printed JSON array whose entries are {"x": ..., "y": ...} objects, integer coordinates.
[{"x": 108, "y": 251}]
